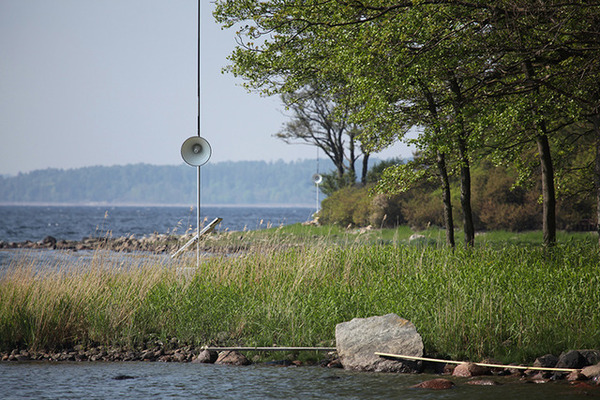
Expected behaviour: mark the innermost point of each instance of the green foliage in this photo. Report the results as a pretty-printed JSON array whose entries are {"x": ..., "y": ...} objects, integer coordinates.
[
  {"x": 483, "y": 81},
  {"x": 354, "y": 206},
  {"x": 346, "y": 207},
  {"x": 499, "y": 203},
  {"x": 376, "y": 172},
  {"x": 332, "y": 182},
  {"x": 499, "y": 301}
]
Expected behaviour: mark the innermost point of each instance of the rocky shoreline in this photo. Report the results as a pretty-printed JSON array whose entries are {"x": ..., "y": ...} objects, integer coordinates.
[
  {"x": 155, "y": 243},
  {"x": 158, "y": 353},
  {"x": 585, "y": 363}
]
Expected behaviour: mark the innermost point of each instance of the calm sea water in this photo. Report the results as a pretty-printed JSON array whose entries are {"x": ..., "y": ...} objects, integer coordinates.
[
  {"x": 201, "y": 381},
  {"x": 20, "y": 223}
]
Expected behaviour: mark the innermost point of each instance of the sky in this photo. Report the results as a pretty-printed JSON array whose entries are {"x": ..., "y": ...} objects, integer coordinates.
[{"x": 115, "y": 82}]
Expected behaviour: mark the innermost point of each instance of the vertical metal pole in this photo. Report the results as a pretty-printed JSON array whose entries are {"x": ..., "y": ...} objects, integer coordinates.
[
  {"x": 198, "y": 225},
  {"x": 316, "y": 212},
  {"x": 317, "y": 207}
]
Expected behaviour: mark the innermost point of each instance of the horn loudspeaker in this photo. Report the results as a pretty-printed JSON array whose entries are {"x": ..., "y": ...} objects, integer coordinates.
[{"x": 196, "y": 151}]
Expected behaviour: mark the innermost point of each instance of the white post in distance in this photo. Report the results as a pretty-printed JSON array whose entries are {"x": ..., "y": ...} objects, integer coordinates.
[
  {"x": 317, "y": 179},
  {"x": 196, "y": 151}
]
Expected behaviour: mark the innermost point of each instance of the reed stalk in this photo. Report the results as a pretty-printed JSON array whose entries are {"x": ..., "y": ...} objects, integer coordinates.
[{"x": 508, "y": 302}]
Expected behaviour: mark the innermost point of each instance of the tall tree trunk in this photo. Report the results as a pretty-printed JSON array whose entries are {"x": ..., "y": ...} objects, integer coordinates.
[
  {"x": 340, "y": 171},
  {"x": 597, "y": 179},
  {"x": 465, "y": 194},
  {"x": 596, "y": 121},
  {"x": 352, "y": 157},
  {"x": 442, "y": 170},
  {"x": 548, "y": 192},
  {"x": 365, "y": 168},
  {"x": 445, "y": 182},
  {"x": 465, "y": 169}
]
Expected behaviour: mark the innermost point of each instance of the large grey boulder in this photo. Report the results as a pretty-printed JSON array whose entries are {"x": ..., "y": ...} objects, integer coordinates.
[{"x": 358, "y": 340}]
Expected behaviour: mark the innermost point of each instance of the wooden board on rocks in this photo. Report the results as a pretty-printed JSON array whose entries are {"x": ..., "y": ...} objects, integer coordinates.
[{"x": 358, "y": 340}]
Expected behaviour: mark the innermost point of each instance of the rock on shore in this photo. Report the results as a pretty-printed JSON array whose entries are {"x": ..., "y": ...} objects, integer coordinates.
[{"x": 358, "y": 340}]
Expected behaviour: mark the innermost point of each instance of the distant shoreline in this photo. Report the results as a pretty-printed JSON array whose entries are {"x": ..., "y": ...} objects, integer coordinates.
[{"x": 102, "y": 204}]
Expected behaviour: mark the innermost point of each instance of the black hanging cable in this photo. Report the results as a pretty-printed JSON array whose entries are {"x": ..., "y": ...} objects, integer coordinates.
[
  {"x": 199, "y": 14},
  {"x": 198, "y": 169}
]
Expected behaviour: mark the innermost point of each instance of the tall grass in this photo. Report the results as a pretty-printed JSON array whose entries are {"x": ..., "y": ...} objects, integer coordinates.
[{"x": 511, "y": 303}]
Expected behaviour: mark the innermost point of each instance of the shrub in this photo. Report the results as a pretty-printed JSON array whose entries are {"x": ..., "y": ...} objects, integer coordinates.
[
  {"x": 386, "y": 211},
  {"x": 423, "y": 208},
  {"x": 496, "y": 202},
  {"x": 346, "y": 207},
  {"x": 354, "y": 206},
  {"x": 500, "y": 205}
]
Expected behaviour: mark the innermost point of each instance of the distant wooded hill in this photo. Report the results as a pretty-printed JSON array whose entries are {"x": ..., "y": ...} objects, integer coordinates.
[{"x": 241, "y": 182}]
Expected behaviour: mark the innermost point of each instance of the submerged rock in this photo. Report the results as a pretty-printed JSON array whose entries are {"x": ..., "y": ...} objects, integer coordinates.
[
  {"x": 483, "y": 382},
  {"x": 122, "y": 377},
  {"x": 435, "y": 384}
]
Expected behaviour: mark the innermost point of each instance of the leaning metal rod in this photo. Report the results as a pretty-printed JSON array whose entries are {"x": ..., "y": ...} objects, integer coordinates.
[
  {"x": 270, "y": 348},
  {"x": 207, "y": 229},
  {"x": 480, "y": 364}
]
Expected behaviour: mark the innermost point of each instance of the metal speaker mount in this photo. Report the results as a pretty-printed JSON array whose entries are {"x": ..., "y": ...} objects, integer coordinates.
[
  {"x": 317, "y": 179},
  {"x": 196, "y": 151}
]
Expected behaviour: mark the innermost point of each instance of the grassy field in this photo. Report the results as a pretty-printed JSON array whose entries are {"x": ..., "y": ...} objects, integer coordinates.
[{"x": 508, "y": 298}]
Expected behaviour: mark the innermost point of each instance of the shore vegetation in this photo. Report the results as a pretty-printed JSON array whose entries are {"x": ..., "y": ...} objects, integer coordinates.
[{"x": 507, "y": 298}]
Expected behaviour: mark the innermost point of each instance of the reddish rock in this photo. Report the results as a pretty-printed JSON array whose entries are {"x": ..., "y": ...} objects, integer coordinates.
[
  {"x": 232, "y": 358},
  {"x": 435, "y": 384},
  {"x": 576, "y": 376},
  {"x": 467, "y": 370},
  {"x": 591, "y": 371},
  {"x": 581, "y": 385},
  {"x": 449, "y": 369}
]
